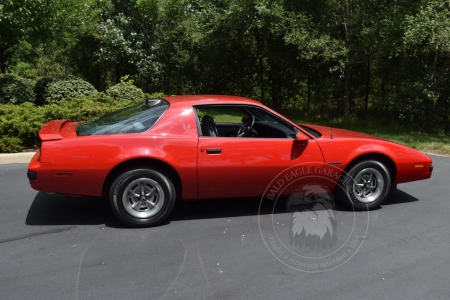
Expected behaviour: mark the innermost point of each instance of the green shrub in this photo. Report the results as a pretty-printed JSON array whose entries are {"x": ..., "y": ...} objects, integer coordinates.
[
  {"x": 124, "y": 91},
  {"x": 15, "y": 90},
  {"x": 10, "y": 144},
  {"x": 51, "y": 90},
  {"x": 154, "y": 95}
]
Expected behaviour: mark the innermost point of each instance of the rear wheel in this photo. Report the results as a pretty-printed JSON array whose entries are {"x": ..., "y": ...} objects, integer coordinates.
[
  {"x": 141, "y": 197},
  {"x": 365, "y": 186}
]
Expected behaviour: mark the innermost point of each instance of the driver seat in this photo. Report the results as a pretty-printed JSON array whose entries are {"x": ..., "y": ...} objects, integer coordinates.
[{"x": 209, "y": 126}]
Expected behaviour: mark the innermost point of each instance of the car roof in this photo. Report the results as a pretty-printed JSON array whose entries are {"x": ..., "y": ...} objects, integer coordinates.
[{"x": 209, "y": 99}]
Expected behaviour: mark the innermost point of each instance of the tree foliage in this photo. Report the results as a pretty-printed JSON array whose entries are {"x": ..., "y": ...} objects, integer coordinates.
[{"x": 333, "y": 58}]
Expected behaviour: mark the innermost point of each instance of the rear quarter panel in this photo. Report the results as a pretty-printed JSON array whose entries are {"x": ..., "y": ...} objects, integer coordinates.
[{"x": 80, "y": 165}]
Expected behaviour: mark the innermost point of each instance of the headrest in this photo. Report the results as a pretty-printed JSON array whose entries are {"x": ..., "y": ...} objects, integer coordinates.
[{"x": 208, "y": 119}]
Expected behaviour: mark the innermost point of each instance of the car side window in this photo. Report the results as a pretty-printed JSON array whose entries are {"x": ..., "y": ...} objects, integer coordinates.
[{"x": 241, "y": 121}]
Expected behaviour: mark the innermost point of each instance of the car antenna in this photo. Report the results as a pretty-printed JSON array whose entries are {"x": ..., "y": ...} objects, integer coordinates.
[{"x": 331, "y": 133}]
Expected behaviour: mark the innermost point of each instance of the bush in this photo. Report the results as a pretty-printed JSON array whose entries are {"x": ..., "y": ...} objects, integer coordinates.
[
  {"x": 154, "y": 95},
  {"x": 15, "y": 90},
  {"x": 51, "y": 90},
  {"x": 10, "y": 144},
  {"x": 124, "y": 91}
]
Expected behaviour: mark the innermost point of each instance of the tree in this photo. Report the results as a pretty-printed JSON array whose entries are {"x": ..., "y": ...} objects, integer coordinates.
[
  {"x": 428, "y": 31},
  {"x": 40, "y": 21}
]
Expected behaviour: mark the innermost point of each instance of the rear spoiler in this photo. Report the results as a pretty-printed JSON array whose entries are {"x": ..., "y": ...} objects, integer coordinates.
[{"x": 50, "y": 130}]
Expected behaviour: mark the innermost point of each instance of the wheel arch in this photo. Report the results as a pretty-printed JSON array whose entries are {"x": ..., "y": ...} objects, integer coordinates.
[
  {"x": 144, "y": 163},
  {"x": 386, "y": 160}
]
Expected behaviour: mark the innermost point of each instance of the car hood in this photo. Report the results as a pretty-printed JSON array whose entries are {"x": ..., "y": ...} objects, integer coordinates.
[{"x": 337, "y": 133}]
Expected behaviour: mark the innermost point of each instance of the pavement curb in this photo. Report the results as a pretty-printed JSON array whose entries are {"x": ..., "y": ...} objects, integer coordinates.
[
  {"x": 441, "y": 155},
  {"x": 16, "y": 158}
]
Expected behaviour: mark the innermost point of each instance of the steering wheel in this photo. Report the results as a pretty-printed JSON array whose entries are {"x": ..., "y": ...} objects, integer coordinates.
[{"x": 247, "y": 127}]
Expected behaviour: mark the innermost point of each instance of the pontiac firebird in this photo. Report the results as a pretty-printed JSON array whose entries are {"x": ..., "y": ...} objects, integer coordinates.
[{"x": 146, "y": 157}]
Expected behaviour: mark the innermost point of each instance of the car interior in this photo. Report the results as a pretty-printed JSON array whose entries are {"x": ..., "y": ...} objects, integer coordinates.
[{"x": 241, "y": 121}]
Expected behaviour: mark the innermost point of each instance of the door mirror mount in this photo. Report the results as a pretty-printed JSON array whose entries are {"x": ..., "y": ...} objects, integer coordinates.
[{"x": 300, "y": 137}]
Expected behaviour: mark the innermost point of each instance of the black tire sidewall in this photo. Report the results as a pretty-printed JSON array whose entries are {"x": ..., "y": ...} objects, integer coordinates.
[
  {"x": 345, "y": 190},
  {"x": 116, "y": 201}
]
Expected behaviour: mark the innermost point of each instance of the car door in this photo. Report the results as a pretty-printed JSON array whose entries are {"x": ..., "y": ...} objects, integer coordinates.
[
  {"x": 229, "y": 167},
  {"x": 245, "y": 166}
]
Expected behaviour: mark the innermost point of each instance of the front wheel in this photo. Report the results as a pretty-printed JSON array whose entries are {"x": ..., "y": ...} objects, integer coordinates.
[
  {"x": 141, "y": 197},
  {"x": 365, "y": 186}
]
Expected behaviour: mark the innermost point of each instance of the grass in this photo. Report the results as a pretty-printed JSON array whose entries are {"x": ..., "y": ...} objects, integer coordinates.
[
  {"x": 222, "y": 115},
  {"x": 436, "y": 144}
]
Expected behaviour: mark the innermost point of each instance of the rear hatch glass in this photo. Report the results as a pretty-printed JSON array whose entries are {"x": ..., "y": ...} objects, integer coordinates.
[{"x": 133, "y": 119}]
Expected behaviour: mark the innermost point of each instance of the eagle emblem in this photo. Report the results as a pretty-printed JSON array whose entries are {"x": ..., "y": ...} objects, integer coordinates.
[{"x": 313, "y": 220}]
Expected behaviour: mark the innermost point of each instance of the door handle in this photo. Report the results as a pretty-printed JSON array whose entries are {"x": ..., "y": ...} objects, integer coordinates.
[{"x": 214, "y": 151}]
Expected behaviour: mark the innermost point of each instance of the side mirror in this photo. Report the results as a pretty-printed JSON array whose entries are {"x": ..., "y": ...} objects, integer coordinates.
[{"x": 300, "y": 137}]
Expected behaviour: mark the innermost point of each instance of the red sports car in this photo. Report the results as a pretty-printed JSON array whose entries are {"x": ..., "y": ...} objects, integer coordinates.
[{"x": 148, "y": 156}]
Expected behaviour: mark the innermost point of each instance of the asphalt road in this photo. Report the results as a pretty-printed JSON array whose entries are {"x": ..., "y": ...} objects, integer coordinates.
[{"x": 73, "y": 248}]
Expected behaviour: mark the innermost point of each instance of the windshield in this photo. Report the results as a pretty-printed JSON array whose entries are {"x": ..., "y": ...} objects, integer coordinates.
[{"x": 133, "y": 119}]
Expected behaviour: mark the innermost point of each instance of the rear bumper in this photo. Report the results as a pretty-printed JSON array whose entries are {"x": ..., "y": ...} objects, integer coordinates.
[
  {"x": 40, "y": 174},
  {"x": 32, "y": 175}
]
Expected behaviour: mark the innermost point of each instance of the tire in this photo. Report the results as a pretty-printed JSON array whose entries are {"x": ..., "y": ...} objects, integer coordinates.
[
  {"x": 142, "y": 197},
  {"x": 365, "y": 186}
]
